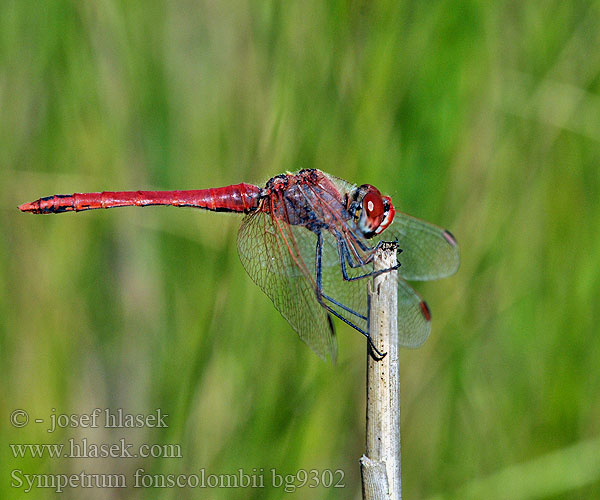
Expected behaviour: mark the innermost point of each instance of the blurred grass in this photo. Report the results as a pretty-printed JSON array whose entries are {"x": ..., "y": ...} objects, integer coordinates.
[{"x": 481, "y": 117}]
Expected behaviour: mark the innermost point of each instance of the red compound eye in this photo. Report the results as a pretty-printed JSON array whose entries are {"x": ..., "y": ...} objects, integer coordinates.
[
  {"x": 376, "y": 211},
  {"x": 389, "y": 214},
  {"x": 373, "y": 205}
]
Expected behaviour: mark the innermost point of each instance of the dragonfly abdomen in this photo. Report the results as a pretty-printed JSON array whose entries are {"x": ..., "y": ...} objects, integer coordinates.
[{"x": 236, "y": 198}]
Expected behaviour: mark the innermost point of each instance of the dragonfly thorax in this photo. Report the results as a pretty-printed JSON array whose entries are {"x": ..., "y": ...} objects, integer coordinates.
[{"x": 307, "y": 198}]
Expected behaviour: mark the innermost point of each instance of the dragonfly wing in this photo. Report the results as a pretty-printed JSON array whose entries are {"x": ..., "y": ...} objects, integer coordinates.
[
  {"x": 428, "y": 251},
  {"x": 414, "y": 323},
  {"x": 414, "y": 318},
  {"x": 273, "y": 255}
]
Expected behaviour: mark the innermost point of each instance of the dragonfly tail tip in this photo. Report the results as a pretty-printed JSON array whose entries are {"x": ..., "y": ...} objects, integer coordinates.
[{"x": 28, "y": 207}]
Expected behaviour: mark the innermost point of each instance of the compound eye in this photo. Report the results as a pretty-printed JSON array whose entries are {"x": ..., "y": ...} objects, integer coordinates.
[
  {"x": 389, "y": 214},
  {"x": 373, "y": 206},
  {"x": 373, "y": 211}
]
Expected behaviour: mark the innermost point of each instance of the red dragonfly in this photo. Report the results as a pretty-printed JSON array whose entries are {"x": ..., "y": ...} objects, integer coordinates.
[{"x": 308, "y": 241}]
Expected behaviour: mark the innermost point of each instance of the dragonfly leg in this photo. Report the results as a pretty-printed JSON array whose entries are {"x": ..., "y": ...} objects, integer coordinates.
[
  {"x": 371, "y": 250},
  {"x": 366, "y": 334},
  {"x": 373, "y": 351},
  {"x": 319, "y": 266},
  {"x": 319, "y": 280},
  {"x": 345, "y": 308},
  {"x": 345, "y": 257}
]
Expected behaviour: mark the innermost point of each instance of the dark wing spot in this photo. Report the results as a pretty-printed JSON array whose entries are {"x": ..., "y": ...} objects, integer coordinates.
[
  {"x": 450, "y": 237},
  {"x": 425, "y": 310},
  {"x": 331, "y": 327}
]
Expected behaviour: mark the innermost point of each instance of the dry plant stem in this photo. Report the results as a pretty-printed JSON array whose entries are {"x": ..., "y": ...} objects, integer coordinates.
[
  {"x": 374, "y": 479},
  {"x": 383, "y": 386}
]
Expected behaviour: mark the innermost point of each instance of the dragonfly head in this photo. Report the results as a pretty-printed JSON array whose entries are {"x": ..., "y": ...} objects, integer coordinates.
[{"x": 372, "y": 212}]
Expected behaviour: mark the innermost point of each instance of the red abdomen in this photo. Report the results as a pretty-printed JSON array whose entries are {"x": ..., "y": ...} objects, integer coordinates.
[{"x": 236, "y": 198}]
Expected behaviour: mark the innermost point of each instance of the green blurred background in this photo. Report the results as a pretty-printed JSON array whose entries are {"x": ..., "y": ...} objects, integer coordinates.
[{"x": 483, "y": 117}]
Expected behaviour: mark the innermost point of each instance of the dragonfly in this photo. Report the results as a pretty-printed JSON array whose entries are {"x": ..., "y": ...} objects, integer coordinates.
[{"x": 308, "y": 240}]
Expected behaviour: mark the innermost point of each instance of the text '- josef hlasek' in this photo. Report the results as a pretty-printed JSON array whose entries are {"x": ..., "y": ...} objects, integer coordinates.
[{"x": 105, "y": 417}]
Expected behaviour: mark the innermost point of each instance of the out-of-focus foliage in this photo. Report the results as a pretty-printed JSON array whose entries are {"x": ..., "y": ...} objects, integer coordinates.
[{"x": 483, "y": 117}]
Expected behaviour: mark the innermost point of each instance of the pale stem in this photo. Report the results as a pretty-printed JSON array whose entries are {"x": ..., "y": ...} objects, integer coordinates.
[{"x": 380, "y": 468}]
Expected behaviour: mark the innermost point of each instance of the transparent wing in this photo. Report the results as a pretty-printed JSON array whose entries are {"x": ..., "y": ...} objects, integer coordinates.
[
  {"x": 414, "y": 318},
  {"x": 414, "y": 323},
  {"x": 274, "y": 256},
  {"x": 428, "y": 251}
]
